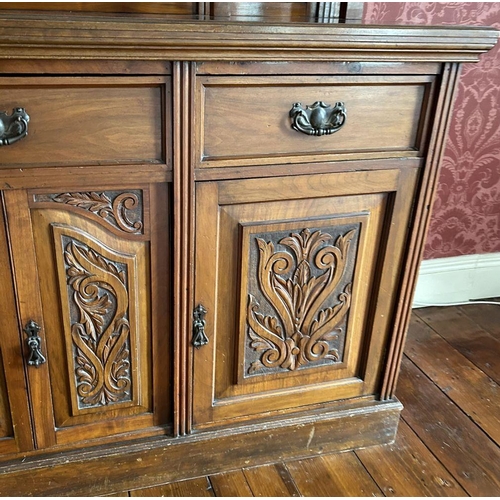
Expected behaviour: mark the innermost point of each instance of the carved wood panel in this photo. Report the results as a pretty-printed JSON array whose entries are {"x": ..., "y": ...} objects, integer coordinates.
[
  {"x": 95, "y": 282},
  {"x": 121, "y": 210},
  {"x": 100, "y": 327},
  {"x": 299, "y": 295}
]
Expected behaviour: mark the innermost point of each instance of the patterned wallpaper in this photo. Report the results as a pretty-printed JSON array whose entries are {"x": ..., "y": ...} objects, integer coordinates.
[{"x": 466, "y": 211}]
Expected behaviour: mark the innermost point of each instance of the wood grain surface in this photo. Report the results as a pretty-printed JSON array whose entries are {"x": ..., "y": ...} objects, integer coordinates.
[
  {"x": 86, "y": 121},
  {"x": 234, "y": 124},
  {"x": 438, "y": 451},
  {"x": 148, "y": 184}
]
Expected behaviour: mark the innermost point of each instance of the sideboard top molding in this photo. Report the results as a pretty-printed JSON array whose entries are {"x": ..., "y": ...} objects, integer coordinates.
[{"x": 42, "y": 36}]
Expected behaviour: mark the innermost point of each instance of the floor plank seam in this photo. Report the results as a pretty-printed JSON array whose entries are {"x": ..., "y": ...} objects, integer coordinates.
[
  {"x": 291, "y": 478},
  {"x": 248, "y": 482},
  {"x": 456, "y": 407},
  {"x": 451, "y": 400},
  {"x": 435, "y": 456},
  {"x": 209, "y": 481},
  {"x": 368, "y": 472},
  {"x": 471, "y": 418},
  {"x": 453, "y": 347},
  {"x": 464, "y": 310}
]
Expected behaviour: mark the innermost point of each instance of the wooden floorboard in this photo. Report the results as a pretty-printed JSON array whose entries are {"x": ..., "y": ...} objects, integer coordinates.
[
  {"x": 487, "y": 316},
  {"x": 200, "y": 487},
  {"x": 447, "y": 442},
  {"x": 271, "y": 481},
  {"x": 462, "y": 381},
  {"x": 466, "y": 336},
  {"x": 408, "y": 468},
  {"x": 337, "y": 475},
  {"x": 231, "y": 484},
  {"x": 460, "y": 445}
]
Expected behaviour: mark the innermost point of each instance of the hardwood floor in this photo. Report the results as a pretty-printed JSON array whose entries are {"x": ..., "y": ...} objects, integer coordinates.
[{"x": 448, "y": 438}]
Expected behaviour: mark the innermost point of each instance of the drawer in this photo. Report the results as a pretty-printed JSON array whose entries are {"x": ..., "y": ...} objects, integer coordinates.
[
  {"x": 246, "y": 120},
  {"x": 86, "y": 120}
]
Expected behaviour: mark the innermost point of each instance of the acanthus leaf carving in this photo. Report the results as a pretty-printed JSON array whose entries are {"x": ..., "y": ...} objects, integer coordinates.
[
  {"x": 299, "y": 334},
  {"x": 111, "y": 207},
  {"x": 101, "y": 335}
]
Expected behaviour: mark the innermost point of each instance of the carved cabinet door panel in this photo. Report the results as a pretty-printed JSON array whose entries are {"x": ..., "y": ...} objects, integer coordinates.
[
  {"x": 297, "y": 276},
  {"x": 15, "y": 422},
  {"x": 94, "y": 272}
]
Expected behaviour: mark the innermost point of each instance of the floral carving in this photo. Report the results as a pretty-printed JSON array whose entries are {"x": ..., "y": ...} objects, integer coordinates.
[
  {"x": 101, "y": 333},
  {"x": 300, "y": 333},
  {"x": 113, "y": 210}
]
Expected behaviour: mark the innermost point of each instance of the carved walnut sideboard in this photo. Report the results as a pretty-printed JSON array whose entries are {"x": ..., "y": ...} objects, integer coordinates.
[{"x": 210, "y": 234}]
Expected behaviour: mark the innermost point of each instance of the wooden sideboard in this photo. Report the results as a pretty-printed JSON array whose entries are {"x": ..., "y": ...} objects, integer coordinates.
[{"x": 210, "y": 234}]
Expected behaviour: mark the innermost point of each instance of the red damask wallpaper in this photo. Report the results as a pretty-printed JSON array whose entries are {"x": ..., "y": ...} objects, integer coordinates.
[{"x": 466, "y": 211}]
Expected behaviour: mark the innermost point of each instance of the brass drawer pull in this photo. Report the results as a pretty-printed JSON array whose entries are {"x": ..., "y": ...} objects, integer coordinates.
[
  {"x": 199, "y": 323},
  {"x": 13, "y": 127},
  {"x": 319, "y": 118},
  {"x": 34, "y": 341}
]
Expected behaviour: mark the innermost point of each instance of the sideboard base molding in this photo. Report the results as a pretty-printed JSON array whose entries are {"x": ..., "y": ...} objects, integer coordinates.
[{"x": 151, "y": 462}]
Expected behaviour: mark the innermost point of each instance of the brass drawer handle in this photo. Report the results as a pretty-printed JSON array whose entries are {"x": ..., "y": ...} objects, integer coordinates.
[
  {"x": 13, "y": 127},
  {"x": 34, "y": 341},
  {"x": 199, "y": 323},
  {"x": 319, "y": 118}
]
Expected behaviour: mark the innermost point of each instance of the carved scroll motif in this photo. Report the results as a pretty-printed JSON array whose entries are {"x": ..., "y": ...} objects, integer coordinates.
[
  {"x": 99, "y": 326},
  {"x": 309, "y": 306},
  {"x": 122, "y": 210}
]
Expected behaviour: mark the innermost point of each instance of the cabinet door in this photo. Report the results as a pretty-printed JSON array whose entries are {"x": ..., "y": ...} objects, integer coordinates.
[
  {"x": 15, "y": 424},
  {"x": 298, "y": 277},
  {"x": 97, "y": 268}
]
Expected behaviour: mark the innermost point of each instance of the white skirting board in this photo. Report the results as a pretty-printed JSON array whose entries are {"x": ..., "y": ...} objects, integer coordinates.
[{"x": 457, "y": 279}]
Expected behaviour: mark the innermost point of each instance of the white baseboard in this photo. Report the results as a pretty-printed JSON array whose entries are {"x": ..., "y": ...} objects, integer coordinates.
[{"x": 457, "y": 279}]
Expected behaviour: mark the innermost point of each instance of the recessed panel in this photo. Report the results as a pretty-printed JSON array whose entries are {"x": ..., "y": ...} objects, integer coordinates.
[
  {"x": 277, "y": 118},
  {"x": 299, "y": 281},
  {"x": 96, "y": 295},
  {"x": 101, "y": 338},
  {"x": 85, "y": 121}
]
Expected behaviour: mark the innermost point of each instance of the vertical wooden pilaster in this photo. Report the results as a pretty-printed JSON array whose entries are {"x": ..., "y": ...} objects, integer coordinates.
[
  {"x": 421, "y": 221},
  {"x": 183, "y": 176}
]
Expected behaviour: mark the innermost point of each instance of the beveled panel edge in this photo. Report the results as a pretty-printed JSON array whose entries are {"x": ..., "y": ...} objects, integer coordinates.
[
  {"x": 77, "y": 68},
  {"x": 218, "y": 162},
  {"x": 257, "y": 68},
  {"x": 112, "y": 37},
  {"x": 304, "y": 168},
  {"x": 81, "y": 257},
  {"x": 93, "y": 176}
]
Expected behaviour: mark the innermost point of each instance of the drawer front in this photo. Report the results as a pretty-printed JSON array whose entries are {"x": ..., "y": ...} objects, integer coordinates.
[
  {"x": 248, "y": 119},
  {"x": 86, "y": 120}
]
